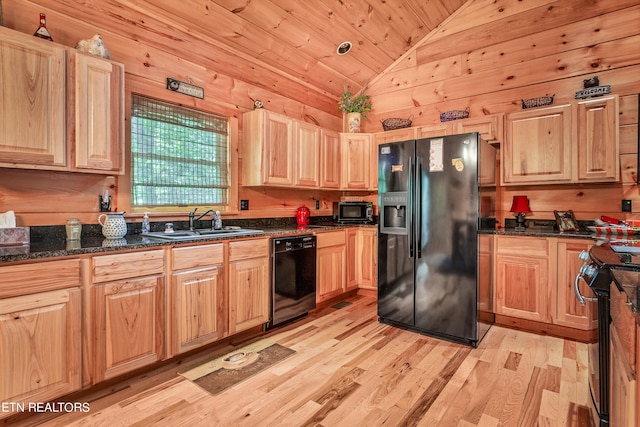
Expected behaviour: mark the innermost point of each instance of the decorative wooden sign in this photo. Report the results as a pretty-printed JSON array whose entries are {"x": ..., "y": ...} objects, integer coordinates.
[
  {"x": 592, "y": 88},
  {"x": 185, "y": 88}
]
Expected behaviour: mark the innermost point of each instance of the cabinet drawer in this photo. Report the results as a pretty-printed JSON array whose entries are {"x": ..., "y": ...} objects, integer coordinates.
[
  {"x": 248, "y": 249},
  {"x": 530, "y": 246},
  {"x": 623, "y": 322},
  {"x": 197, "y": 256},
  {"x": 123, "y": 266},
  {"x": 39, "y": 277},
  {"x": 331, "y": 238}
]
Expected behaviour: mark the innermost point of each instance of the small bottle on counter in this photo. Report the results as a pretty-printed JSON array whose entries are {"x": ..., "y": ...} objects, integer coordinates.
[
  {"x": 146, "y": 226},
  {"x": 217, "y": 221}
]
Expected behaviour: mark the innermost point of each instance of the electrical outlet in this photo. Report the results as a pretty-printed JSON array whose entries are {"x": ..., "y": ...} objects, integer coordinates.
[
  {"x": 244, "y": 205},
  {"x": 626, "y": 205},
  {"x": 317, "y": 204}
]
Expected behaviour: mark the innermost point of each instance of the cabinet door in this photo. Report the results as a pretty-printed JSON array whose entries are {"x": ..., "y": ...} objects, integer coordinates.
[
  {"x": 198, "y": 314},
  {"x": 353, "y": 247},
  {"x": 356, "y": 165},
  {"x": 99, "y": 113},
  {"x": 128, "y": 325},
  {"x": 40, "y": 347},
  {"x": 490, "y": 128},
  {"x": 32, "y": 105},
  {"x": 368, "y": 240},
  {"x": 307, "y": 140},
  {"x": 331, "y": 274},
  {"x": 406, "y": 134},
  {"x": 278, "y": 155},
  {"x": 622, "y": 385},
  {"x": 598, "y": 140},
  {"x": 522, "y": 278},
  {"x": 568, "y": 312},
  {"x": 330, "y": 160},
  {"x": 538, "y": 146},
  {"x": 248, "y": 293},
  {"x": 431, "y": 131}
]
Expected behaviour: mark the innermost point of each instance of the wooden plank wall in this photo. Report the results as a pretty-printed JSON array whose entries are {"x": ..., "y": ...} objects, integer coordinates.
[
  {"x": 486, "y": 57},
  {"x": 491, "y": 55}
]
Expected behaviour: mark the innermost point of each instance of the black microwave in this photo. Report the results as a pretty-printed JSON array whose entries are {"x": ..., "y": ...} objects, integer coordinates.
[{"x": 354, "y": 212}]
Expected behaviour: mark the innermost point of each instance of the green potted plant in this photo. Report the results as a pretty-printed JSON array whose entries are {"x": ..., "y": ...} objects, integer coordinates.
[{"x": 355, "y": 107}]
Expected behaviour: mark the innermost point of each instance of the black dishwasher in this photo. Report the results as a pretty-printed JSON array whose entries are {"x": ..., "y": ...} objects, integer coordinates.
[{"x": 293, "y": 278}]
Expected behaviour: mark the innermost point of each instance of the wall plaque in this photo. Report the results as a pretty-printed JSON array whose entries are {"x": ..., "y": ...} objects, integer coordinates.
[{"x": 185, "y": 88}]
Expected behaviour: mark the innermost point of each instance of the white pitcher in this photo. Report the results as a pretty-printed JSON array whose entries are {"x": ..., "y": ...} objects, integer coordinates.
[{"x": 113, "y": 225}]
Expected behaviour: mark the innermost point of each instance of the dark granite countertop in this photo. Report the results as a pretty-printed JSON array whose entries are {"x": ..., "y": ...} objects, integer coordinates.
[{"x": 50, "y": 242}]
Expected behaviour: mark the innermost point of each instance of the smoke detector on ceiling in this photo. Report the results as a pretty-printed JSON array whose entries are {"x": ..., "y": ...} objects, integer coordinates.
[{"x": 343, "y": 48}]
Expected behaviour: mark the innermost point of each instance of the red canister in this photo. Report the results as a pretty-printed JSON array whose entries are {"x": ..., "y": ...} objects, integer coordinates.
[{"x": 302, "y": 215}]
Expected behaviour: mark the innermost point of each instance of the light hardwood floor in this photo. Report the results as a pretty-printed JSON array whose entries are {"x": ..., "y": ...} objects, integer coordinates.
[{"x": 350, "y": 370}]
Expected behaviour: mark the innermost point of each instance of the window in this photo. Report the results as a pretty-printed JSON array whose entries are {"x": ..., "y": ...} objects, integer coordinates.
[{"x": 180, "y": 156}]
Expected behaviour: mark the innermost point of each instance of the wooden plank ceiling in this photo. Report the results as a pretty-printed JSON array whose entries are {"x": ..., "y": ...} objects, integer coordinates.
[{"x": 285, "y": 46}]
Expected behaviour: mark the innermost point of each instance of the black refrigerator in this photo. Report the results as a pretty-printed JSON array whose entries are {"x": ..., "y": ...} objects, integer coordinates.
[{"x": 432, "y": 211}]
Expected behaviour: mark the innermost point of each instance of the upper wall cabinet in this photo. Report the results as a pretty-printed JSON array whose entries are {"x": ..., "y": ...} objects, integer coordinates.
[
  {"x": 32, "y": 106},
  {"x": 47, "y": 124},
  {"x": 329, "y": 159},
  {"x": 356, "y": 163},
  {"x": 538, "y": 147},
  {"x": 307, "y": 152},
  {"x": 598, "y": 136},
  {"x": 268, "y": 149},
  {"x": 97, "y": 97},
  {"x": 569, "y": 143}
]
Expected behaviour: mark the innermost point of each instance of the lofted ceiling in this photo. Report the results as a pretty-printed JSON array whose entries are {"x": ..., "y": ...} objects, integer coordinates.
[{"x": 286, "y": 47}]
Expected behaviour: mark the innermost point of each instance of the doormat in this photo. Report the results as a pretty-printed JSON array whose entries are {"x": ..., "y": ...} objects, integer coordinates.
[
  {"x": 341, "y": 304},
  {"x": 225, "y": 371}
]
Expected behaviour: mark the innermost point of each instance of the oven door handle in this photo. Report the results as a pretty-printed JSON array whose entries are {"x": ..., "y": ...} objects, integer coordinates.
[{"x": 581, "y": 299}]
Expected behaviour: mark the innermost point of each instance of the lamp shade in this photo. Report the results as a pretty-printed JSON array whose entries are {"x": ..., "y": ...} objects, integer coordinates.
[{"x": 520, "y": 204}]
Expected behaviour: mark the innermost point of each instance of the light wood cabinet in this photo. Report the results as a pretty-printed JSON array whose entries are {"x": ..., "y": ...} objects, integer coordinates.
[
  {"x": 522, "y": 277},
  {"x": 568, "y": 312},
  {"x": 32, "y": 105},
  {"x": 406, "y": 134},
  {"x": 569, "y": 143},
  {"x": 249, "y": 290},
  {"x": 598, "y": 135},
  {"x": 331, "y": 267},
  {"x": 490, "y": 127},
  {"x": 623, "y": 347},
  {"x": 356, "y": 161},
  {"x": 127, "y": 314},
  {"x": 307, "y": 152},
  {"x": 268, "y": 149},
  {"x": 330, "y": 160},
  {"x": 40, "y": 331},
  {"x": 539, "y": 146},
  {"x": 198, "y": 296},
  {"x": 96, "y": 101},
  {"x": 362, "y": 258},
  {"x": 434, "y": 130}
]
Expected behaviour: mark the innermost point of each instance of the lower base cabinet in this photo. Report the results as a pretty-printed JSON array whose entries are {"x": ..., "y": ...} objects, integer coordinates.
[
  {"x": 40, "y": 332},
  {"x": 128, "y": 312},
  {"x": 249, "y": 291},
  {"x": 40, "y": 345},
  {"x": 362, "y": 258},
  {"x": 534, "y": 280},
  {"x": 331, "y": 264}
]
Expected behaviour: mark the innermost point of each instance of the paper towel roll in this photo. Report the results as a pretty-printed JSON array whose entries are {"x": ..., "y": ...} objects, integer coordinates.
[{"x": 8, "y": 219}]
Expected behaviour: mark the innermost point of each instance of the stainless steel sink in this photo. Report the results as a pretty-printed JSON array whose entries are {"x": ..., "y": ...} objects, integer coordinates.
[{"x": 204, "y": 233}]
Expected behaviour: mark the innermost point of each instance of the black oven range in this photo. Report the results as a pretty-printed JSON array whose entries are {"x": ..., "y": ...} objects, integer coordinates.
[{"x": 599, "y": 268}]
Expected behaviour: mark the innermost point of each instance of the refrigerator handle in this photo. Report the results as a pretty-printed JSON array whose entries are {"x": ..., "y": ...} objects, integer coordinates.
[
  {"x": 409, "y": 208},
  {"x": 418, "y": 201}
]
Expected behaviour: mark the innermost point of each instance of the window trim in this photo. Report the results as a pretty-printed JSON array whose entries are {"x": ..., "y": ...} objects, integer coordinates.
[{"x": 122, "y": 188}]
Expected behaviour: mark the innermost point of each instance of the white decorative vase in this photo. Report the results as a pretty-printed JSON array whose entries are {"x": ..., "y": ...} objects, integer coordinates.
[
  {"x": 353, "y": 122},
  {"x": 113, "y": 225}
]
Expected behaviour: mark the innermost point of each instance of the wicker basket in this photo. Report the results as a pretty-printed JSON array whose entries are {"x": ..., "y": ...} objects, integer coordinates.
[
  {"x": 393, "y": 123},
  {"x": 537, "y": 102},
  {"x": 447, "y": 116}
]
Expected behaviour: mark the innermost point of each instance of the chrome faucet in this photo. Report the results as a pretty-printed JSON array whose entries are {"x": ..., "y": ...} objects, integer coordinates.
[
  {"x": 211, "y": 211},
  {"x": 192, "y": 216}
]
